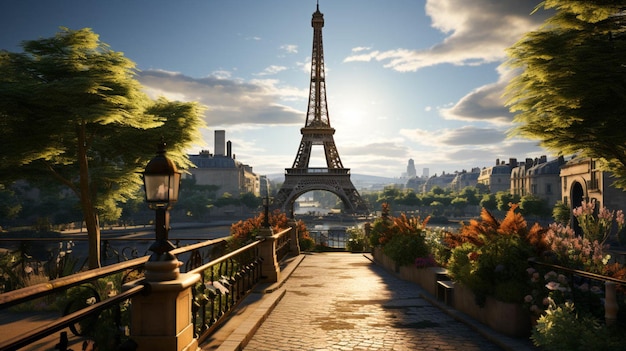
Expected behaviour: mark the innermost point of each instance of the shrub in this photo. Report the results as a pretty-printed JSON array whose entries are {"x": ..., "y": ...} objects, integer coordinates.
[
  {"x": 405, "y": 248},
  {"x": 490, "y": 257},
  {"x": 402, "y": 239},
  {"x": 564, "y": 328},
  {"x": 244, "y": 232},
  {"x": 356, "y": 240}
]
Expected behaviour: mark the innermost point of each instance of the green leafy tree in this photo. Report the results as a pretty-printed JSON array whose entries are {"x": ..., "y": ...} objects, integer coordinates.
[
  {"x": 250, "y": 200},
  {"x": 532, "y": 205},
  {"x": 561, "y": 213},
  {"x": 89, "y": 125},
  {"x": 505, "y": 199},
  {"x": 409, "y": 198},
  {"x": 571, "y": 93},
  {"x": 389, "y": 195},
  {"x": 489, "y": 202},
  {"x": 10, "y": 205},
  {"x": 470, "y": 194}
]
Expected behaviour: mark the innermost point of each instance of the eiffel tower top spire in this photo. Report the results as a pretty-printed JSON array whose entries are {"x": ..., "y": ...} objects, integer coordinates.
[{"x": 317, "y": 112}]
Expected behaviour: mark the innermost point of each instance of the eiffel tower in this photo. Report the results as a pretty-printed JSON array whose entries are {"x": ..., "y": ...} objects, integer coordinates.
[{"x": 301, "y": 178}]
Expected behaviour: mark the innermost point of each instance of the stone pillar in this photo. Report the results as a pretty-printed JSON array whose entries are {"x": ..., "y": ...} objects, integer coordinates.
[
  {"x": 270, "y": 270},
  {"x": 162, "y": 319},
  {"x": 294, "y": 244}
]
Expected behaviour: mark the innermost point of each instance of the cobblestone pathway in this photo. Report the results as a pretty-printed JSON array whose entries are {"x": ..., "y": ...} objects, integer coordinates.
[{"x": 342, "y": 301}]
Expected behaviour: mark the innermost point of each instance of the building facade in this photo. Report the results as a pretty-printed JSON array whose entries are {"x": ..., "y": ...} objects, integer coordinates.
[
  {"x": 538, "y": 177},
  {"x": 582, "y": 181},
  {"x": 224, "y": 171},
  {"x": 464, "y": 179},
  {"x": 497, "y": 178}
]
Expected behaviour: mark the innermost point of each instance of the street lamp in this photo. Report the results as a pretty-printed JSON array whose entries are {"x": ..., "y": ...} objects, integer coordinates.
[
  {"x": 266, "y": 217},
  {"x": 161, "y": 183}
]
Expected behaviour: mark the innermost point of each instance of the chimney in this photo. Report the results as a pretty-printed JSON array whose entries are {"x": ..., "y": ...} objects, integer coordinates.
[
  {"x": 229, "y": 149},
  {"x": 220, "y": 139}
]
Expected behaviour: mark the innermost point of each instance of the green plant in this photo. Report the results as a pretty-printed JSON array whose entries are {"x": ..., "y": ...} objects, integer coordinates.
[
  {"x": 382, "y": 229},
  {"x": 108, "y": 328},
  {"x": 401, "y": 238},
  {"x": 597, "y": 226},
  {"x": 405, "y": 248},
  {"x": 356, "y": 239},
  {"x": 490, "y": 257},
  {"x": 244, "y": 232},
  {"x": 562, "y": 327},
  {"x": 435, "y": 240}
]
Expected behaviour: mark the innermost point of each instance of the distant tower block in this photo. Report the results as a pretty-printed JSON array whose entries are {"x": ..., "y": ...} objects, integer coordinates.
[
  {"x": 410, "y": 169},
  {"x": 334, "y": 178},
  {"x": 220, "y": 142}
]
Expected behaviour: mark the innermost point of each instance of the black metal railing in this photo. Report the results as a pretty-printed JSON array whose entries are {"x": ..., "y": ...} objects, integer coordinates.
[
  {"x": 80, "y": 309},
  {"x": 223, "y": 283},
  {"x": 226, "y": 277},
  {"x": 610, "y": 292}
]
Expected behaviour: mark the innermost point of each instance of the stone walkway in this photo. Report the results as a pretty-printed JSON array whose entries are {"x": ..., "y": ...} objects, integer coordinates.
[{"x": 343, "y": 301}]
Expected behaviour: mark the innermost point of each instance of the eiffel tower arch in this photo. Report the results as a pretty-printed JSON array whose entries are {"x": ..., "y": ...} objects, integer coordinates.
[{"x": 301, "y": 178}]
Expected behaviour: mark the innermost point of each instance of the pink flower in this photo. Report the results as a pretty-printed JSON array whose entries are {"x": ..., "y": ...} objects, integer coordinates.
[
  {"x": 553, "y": 286},
  {"x": 528, "y": 298},
  {"x": 619, "y": 218}
]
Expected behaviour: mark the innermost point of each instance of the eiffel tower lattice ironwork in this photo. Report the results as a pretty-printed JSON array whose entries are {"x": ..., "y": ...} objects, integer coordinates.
[{"x": 301, "y": 178}]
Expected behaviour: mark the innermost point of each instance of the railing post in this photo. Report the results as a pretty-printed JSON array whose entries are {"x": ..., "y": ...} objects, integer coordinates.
[
  {"x": 162, "y": 319},
  {"x": 294, "y": 244},
  {"x": 610, "y": 303},
  {"x": 270, "y": 270}
]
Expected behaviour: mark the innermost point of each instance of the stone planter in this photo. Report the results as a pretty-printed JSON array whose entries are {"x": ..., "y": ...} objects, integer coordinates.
[
  {"x": 424, "y": 277},
  {"x": 507, "y": 318},
  {"x": 383, "y": 260}
]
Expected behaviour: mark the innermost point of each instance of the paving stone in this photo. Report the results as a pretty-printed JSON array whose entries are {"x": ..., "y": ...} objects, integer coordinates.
[{"x": 343, "y": 301}]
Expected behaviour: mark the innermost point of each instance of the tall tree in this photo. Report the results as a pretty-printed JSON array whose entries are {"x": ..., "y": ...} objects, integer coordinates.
[
  {"x": 72, "y": 110},
  {"x": 571, "y": 93}
]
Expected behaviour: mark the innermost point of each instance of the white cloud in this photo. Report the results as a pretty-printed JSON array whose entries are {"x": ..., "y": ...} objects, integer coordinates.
[
  {"x": 271, "y": 70},
  {"x": 477, "y": 31},
  {"x": 289, "y": 48},
  {"x": 484, "y": 104},
  {"x": 230, "y": 102}
]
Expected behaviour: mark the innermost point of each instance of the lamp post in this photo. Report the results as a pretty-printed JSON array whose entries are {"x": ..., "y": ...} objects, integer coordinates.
[
  {"x": 161, "y": 183},
  {"x": 266, "y": 206},
  {"x": 162, "y": 318}
]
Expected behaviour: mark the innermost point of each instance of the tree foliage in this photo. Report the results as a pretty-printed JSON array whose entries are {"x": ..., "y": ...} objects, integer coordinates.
[
  {"x": 72, "y": 111},
  {"x": 571, "y": 92}
]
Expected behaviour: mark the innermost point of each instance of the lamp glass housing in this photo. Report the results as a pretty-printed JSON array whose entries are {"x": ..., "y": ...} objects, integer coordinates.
[{"x": 162, "y": 188}]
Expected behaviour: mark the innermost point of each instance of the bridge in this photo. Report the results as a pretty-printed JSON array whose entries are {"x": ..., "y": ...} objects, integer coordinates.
[{"x": 249, "y": 300}]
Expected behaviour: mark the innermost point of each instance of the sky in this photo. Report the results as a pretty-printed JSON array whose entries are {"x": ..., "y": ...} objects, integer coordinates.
[{"x": 405, "y": 79}]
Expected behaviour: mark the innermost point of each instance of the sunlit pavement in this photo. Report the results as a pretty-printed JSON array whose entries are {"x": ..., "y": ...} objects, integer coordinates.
[{"x": 343, "y": 301}]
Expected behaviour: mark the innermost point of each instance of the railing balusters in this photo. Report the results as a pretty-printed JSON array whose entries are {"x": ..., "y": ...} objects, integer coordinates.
[{"x": 225, "y": 280}]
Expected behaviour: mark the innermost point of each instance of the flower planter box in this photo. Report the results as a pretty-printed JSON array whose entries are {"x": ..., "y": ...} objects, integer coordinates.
[{"x": 507, "y": 318}]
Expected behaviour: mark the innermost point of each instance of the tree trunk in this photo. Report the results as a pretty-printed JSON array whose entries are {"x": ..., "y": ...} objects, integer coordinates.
[{"x": 89, "y": 212}]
